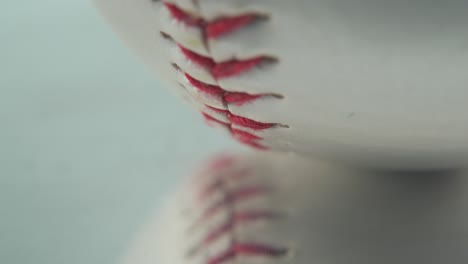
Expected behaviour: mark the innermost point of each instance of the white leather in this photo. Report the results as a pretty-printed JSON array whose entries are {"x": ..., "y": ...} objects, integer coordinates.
[
  {"x": 331, "y": 215},
  {"x": 372, "y": 82}
]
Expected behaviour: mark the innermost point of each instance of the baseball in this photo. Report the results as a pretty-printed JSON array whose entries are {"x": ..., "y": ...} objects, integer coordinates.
[
  {"x": 368, "y": 82},
  {"x": 272, "y": 209}
]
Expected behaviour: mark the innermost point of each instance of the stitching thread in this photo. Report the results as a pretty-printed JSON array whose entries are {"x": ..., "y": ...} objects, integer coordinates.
[
  {"x": 217, "y": 28},
  {"x": 235, "y": 219}
]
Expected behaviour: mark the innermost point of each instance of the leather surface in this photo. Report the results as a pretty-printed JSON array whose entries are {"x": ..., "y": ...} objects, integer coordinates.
[
  {"x": 329, "y": 215},
  {"x": 374, "y": 83}
]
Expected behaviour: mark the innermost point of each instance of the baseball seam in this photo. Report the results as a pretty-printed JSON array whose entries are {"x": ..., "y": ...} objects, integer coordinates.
[
  {"x": 215, "y": 29},
  {"x": 230, "y": 196}
]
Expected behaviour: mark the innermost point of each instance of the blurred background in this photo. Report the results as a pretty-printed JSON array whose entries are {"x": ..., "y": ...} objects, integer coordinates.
[{"x": 90, "y": 141}]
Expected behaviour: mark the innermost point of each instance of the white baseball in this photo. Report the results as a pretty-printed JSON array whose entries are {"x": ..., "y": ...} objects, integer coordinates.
[
  {"x": 371, "y": 82},
  {"x": 272, "y": 209}
]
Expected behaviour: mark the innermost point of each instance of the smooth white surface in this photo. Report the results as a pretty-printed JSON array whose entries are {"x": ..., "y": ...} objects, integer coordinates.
[
  {"x": 89, "y": 140},
  {"x": 376, "y": 83},
  {"x": 329, "y": 215}
]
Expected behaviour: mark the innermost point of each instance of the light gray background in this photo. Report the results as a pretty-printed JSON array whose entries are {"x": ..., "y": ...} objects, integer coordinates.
[{"x": 89, "y": 140}]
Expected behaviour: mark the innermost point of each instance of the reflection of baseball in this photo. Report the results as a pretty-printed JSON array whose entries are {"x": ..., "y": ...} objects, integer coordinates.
[
  {"x": 374, "y": 82},
  {"x": 272, "y": 209}
]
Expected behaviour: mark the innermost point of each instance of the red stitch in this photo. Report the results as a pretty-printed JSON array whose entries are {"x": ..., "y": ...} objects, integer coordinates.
[
  {"x": 219, "y": 111},
  {"x": 219, "y": 70},
  {"x": 247, "y": 138},
  {"x": 243, "y": 135},
  {"x": 213, "y": 29},
  {"x": 223, "y": 26},
  {"x": 236, "y": 219},
  {"x": 235, "y": 98},
  {"x": 255, "y": 215},
  {"x": 239, "y": 195},
  {"x": 210, "y": 189},
  {"x": 246, "y": 122},
  {"x": 205, "y": 62},
  {"x": 182, "y": 15},
  {"x": 245, "y": 193},
  {"x": 241, "y": 173},
  {"x": 207, "y": 88},
  {"x": 210, "y": 119},
  {"x": 242, "y": 121},
  {"x": 223, "y": 69},
  {"x": 222, "y": 162},
  {"x": 240, "y": 99},
  {"x": 240, "y": 249},
  {"x": 217, "y": 183},
  {"x": 235, "y": 67}
]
